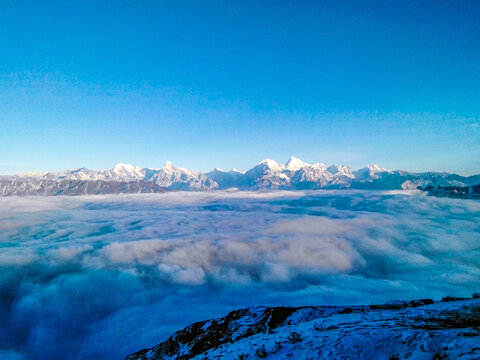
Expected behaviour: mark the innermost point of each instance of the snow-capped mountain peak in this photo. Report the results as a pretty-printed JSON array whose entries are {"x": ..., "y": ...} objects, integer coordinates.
[
  {"x": 376, "y": 168},
  {"x": 169, "y": 168},
  {"x": 340, "y": 170},
  {"x": 121, "y": 167},
  {"x": 294, "y": 164},
  {"x": 128, "y": 170},
  {"x": 267, "y": 175},
  {"x": 372, "y": 171},
  {"x": 272, "y": 164},
  {"x": 173, "y": 177}
]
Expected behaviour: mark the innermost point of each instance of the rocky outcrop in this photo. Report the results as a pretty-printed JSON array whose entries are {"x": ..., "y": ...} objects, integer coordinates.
[
  {"x": 460, "y": 192},
  {"x": 202, "y": 336}
]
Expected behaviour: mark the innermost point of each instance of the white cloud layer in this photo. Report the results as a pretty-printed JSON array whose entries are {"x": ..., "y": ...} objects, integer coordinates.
[{"x": 99, "y": 277}]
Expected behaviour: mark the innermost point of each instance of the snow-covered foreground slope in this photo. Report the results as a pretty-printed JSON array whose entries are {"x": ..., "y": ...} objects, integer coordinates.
[
  {"x": 267, "y": 175},
  {"x": 411, "y": 330}
]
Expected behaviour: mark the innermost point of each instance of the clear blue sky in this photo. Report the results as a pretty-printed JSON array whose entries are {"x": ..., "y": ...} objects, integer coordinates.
[{"x": 228, "y": 83}]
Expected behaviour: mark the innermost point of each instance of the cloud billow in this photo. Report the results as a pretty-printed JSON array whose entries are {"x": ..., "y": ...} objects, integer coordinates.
[{"x": 99, "y": 277}]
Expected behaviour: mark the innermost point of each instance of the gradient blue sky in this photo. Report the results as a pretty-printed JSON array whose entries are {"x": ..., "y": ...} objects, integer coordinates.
[{"x": 228, "y": 83}]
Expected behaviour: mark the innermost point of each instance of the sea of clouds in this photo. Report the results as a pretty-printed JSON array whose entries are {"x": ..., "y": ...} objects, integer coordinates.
[{"x": 98, "y": 277}]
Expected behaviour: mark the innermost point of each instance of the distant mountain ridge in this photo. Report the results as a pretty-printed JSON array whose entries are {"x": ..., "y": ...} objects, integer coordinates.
[{"x": 266, "y": 175}]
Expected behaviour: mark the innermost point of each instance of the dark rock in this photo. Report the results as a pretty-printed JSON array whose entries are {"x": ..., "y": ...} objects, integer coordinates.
[
  {"x": 202, "y": 336},
  {"x": 465, "y": 192},
  {"x": 453, "y": 298},
  {"x": 421, "y": 302},
  {"x": 387, "y": 307}
]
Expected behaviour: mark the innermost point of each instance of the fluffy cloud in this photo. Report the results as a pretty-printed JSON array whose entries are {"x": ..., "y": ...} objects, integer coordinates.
[{"x": 101, "y": 276}]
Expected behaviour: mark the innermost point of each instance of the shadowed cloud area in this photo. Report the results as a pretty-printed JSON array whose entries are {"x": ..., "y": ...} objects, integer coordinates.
[{"x": 98, "y": 277}]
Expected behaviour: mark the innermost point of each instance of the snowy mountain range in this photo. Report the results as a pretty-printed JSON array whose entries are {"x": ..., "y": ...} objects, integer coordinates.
[{"x": 266, "y": 175}]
